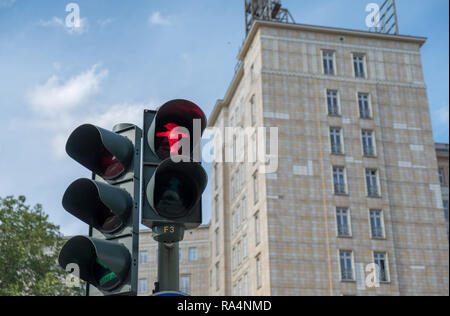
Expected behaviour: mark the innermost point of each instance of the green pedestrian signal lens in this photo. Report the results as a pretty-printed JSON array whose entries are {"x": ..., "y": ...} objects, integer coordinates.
[{"x": 105, "y": 278}]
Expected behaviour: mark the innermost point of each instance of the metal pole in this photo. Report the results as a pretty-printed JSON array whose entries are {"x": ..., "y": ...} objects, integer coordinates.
[{"x": 168, "y": 267}]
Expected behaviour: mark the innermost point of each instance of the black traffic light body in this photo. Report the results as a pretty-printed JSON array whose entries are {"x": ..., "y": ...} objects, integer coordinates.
[
  {"x": 109, "y": 204},
  {"x": 172, "y": 189}
]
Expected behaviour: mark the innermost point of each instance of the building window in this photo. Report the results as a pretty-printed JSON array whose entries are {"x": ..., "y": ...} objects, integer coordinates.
[
  {"x": 376, "y": 224},
  {"x": 185, "y": 284},
  {"x": 244, "y": 247},
  {"x": 240, "y": 287},
  {"x": 252, "y": 72},
  {"x": 333, "y": 103},
  {"x": 217, "y": 241},
  {"x": 339, "y": 181},
  {"x": 328, "y": 63},
  {"x": 346, "y": 263},
  {"x": 372, "y": 183},
  {"x": 368, "y": 143},
  {"x": 246, "y": 284},
  {"x": 217, "y": 276},
  {"x": 253, "y": 112},
  {"x": 343, "y": 222},
  {"x": 142, "y": 286},
  {"x": 255, "y": 188},
  {"x": 442, "y": 176},
  {"x": 364, "y": 106},
  {"x": 381, "y": 262},
  {"x": 445, "y": 203},
  {"x": 258, "y": 272},
  {"x": 180, "y": 254},
  {"x": 210, "y": 278},
  {"x": 232, "y": 188},
  {"x": 193, "y": 254},
  {"x": 216, "y": 208},
  {"x": 257, "y": 238},
  {"x": 244, "y": 209},
  {"x": 234, "y": 259},
  {"x": 336, "y": 141},
  {"x": 239, "y": 252},
  {"x": 143, "y": 257},
  {"x": 216, "y": 178},
  {"x": 358, "y": 65}
]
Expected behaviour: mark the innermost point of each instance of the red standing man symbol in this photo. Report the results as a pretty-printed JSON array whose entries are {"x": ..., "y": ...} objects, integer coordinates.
[{"x": 173, "y": 136}]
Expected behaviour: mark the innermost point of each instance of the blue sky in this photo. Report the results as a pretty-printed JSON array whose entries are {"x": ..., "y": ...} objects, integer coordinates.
[{"x": 138, "y": 54}]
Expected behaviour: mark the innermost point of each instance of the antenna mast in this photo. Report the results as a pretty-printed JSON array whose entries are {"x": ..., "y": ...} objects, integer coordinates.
[
  {"x": 388, "y": 19},
  {"x": 266, "y": 10}
]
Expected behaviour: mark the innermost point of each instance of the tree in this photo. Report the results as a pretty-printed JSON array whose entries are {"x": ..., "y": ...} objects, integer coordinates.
[{"x": 29, "y": 248}]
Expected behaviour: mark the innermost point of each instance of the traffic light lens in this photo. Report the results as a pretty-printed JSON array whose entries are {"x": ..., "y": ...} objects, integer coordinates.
[
  {"x": 175, "y": 196},
  {"x": 108, "y": 222},
  {"x": 105, "y": 278},
  {"x": 110, "y": 166}
]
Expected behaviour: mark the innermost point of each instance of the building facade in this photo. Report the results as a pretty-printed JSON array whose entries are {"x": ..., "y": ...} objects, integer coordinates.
[
  {"x": 194, "y": 262},
  {"x": 442, "y": 154},
  {"x": 356, "y": 183}
]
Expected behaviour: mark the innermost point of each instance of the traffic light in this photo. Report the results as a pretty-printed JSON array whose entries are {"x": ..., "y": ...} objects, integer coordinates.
[
  {"x": 173, "y": 178},
  {"x": 109, "y": 204}
]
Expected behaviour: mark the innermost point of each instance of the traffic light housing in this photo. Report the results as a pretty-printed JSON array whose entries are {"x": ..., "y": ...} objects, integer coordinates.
[
  {"x": 109, "y": 204},
  {"x": 173, "y": 178}
]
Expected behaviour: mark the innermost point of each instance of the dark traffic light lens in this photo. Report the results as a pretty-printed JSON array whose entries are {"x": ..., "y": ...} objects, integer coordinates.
[
  {"x": 105, "y": 278},
  {"x": 175, "y": 196},
  {"x": 108, "y": 222},
  {"x": 110, "y": 166}
]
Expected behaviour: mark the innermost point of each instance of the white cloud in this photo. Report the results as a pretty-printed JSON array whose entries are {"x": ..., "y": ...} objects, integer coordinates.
[
  {"x": 441, "y": 115},
  {"x": 157, "y": 19},
  {"x": 57, "y": 22},
  {"x": 56, "y": 96},
  {"x": 104, "y": 22}
]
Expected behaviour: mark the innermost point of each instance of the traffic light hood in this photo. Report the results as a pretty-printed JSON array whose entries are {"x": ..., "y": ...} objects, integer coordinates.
[
  {"x": 102, "y": 263},
  {"x": 100, "y": 205},
  {"x": 103, "y": 152}
]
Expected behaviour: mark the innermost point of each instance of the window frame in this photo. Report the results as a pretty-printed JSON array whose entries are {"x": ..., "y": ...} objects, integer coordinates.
[
  {"x": 362, "y": 62},
  {"x": 349, "y": 222},
  {"x": 325, "y": 70},
  {"x": 352, "y": 262}
]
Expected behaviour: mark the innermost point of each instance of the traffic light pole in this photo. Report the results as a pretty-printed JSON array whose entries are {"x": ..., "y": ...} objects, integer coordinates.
[{"x": 168, "y": 267}]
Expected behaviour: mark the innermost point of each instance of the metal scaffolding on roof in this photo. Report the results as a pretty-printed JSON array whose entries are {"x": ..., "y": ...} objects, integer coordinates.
[
  {"x": 388, "y": 19},
  {"x": 266, "y": 10}
]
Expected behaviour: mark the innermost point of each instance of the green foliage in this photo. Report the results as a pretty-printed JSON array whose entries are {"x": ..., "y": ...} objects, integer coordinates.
[{"x": 29, "y": 248}]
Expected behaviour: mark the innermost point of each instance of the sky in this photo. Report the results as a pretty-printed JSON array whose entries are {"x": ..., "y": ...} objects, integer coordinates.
[{"x": 128, "y": 56}]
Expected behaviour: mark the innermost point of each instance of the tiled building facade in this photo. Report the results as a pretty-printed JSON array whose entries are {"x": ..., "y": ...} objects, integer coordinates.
[
  {"x": 356, "y": 182},
  {"x": 442, "y": 154},
  {"x": 194, "y": 262}
]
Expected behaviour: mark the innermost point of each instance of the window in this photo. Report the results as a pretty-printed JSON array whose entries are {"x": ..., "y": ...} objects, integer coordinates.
[
  {"x": 233, "y": 187},
  {"x": 143, "y": 257},
  {"x": 364, "y": 106},
  {"x": 217, "y": 276},
  {"x": 445, "y": 202},
  {"x": 252, "y": 72},
  {"x": 216, "y": 176},
  {"x": 244, "y": 209},
  {"x": 217, "y": 241},
  {"x": 368, "y": 143},
  {"x": 193, "y": 254},
  {"x": 358, "y": 64},
  {"x": 255, "y": 188},
  {"x": 343, "y": 222},
  {"x": 244, "y": 247},
  {"x": 180, "y": 254},
  {"x": 185, "y": 284},
  {"x": 243, "y": 174},
  {"x": 246, "y": 284},
  {"x": 336, "y": 141},
  {"x": 210, "y": 278},
  {"x": 240, "y": 287},
  {"x": 372, "y": 183},
  {"x": 252, "y": 109},
  {"x": 142, "y": 286},
  {"x": 333, "y": 103},
  {"x": 258, "y": 271},
  {"x": 380, "y": 260},
  {"x": 442, "y": 176},
  {"x": 216, "y": 208},
  {"x": 339, "y": 180},
  {"x": 239, "y": 252},
  {"x": 328, "y": 62},
  {"x": 257, "y": 238},
  {"x": 234, "y": 259},
  {"x": 346, "y": 263},
  {"x": 376, "y": 224}
]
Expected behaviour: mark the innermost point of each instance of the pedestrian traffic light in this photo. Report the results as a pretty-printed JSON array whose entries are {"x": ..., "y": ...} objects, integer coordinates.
[
  {"x": 109, "y": 204},
  {"x": 173, "y": 177}
]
